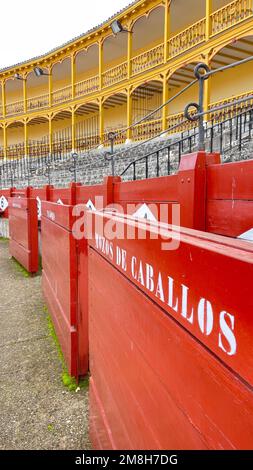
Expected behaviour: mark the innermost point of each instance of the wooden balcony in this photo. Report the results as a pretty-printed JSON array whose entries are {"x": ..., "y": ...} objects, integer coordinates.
[{"x": 230, "y": 15}]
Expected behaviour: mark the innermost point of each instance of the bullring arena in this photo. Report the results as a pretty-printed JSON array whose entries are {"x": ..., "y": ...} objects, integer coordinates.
[{"x": 126, "y": 225}]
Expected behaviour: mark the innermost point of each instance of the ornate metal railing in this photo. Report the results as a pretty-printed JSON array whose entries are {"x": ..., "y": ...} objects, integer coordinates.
[
  {"x": 115, "y": 74},
  {"x": 14, "y": 108},
  {"x": 120, "y": 134},
  {"x": 147, "y": 129},
  {"x": 148, "y": 59},
  {"x": 232, "y": 109},
  {"x": 62, "y": 95},
  {"x": 38, "y": 148},
  {"x": 84, "y": 143},
  {"x": 188, "y": 38},
  {"x": 62, "y": 146},
  {"x": 38, "y": 102},
  {"x": 85, "y": 87},
  {"x": 178, "y": 119},
  {"x": 231, "y": 14}
]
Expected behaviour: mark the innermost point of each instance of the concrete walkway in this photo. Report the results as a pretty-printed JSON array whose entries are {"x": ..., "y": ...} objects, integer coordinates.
[{"x": 36, "y": 410}]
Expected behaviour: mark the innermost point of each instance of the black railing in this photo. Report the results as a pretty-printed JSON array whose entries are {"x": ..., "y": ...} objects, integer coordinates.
[{"x": 228, "y": 137}]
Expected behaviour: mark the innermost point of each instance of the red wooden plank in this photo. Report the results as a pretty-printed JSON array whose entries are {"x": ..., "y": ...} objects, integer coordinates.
[
  {"x": 230, "y": 181},
  {"x": 158, "y": 386},
  {"x": 231, "y": 217}
]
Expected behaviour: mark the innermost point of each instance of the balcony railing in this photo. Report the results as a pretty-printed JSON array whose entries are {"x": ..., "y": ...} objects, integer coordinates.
[
  {"x": 115, "y": 74},
  {"x": 176, "y": 119},
  {"x": 85, "y": 87},
  {"x": 14, "y": 108},
  {"x": 62, "y": 95},
  {"x": 148, "y": 60},
  {"x": 188, "y": 38},
  {"x": 231, "y": 14},
  {"x": 84, "y": 143},
  {"x": 121, "y": 135},
  {"x": 147, "y": 129},
  {"x": 38, "y": 102},
  {"x": 231, "y": 109}
]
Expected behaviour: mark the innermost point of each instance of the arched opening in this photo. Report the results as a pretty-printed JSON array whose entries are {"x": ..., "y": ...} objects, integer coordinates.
[
  {"x": 14, "y": 97},
  {"x": 87, "y": 69},
  {"x": 62, "y": 132},
  {"x": 37, "y": 91},
  {"x": 147, "y": 98},
  {"x": 15, "y": 140},
  {"x": 148, "y": 41},
  {"x": 115, "y": 116},
  {"x": 86, "y": 126},
  {"x": 234, "y": 83},
  {"x": 61, "y": 81},
  {"x": 115, "y": 59},
  {"x": 38, "y": 137},
  {"x": 176, "y": 83}
]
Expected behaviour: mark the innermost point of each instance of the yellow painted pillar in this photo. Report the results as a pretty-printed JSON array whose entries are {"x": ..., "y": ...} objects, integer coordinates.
[
  {"x": 73, "y": 133},
  {"x": 101, "y": 121},
  {"x": 5, "y": 141},
  {"x": 50, "y": 135},
  {"x": 50, "y": 86},
  {"x": 209, "y": 9},
  {"x": 165, "y": 98},
  {"x": 129, "y": 53},
  {"x": 25, "y": 94},
  {"x": 73, "y": 75},
  {"x": 4, "y": 99},
  {"x": 101, "y": 63},
  {"x": 166, "y": 29},
  {"x": 129, "y": 114},
  {"x": 26, "y": 138}
]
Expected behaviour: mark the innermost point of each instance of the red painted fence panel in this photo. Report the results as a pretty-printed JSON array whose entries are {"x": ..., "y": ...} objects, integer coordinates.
[
  {"x": 23, "y": 227},
  {"x": 230, "y": 198},
  {"x": 170, "y": 340},
  {"x": 60, "y": 284}
]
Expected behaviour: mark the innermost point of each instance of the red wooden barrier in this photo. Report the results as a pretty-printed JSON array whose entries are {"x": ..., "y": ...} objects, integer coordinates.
[
  {"x": 23, "y": 227},
  {"x": 170, "y": 340},
  {"x": 60, "y": 284},
  {"x": 187, "y": 188},
  {"x": 230, "y": 198}
]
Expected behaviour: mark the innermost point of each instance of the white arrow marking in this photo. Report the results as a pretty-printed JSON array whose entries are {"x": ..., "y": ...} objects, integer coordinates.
[
  {"x": 247, "y": 235},
  {"x": 90, "y": 205},
  {"x": 144, "y": 213},
  {"x": 3, "y": 203},
  {"x": 60, "y": 203}
]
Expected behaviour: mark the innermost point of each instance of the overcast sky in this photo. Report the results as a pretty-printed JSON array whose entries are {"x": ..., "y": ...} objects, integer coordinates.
[{"x": 30, "y": 28}]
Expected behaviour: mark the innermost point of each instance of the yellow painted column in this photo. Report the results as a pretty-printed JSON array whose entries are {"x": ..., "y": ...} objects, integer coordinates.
[
  {"x": 26, "y": 138},
  {"x": 3, "y": 98},
  {"x": 129, "y": 53},
  {"x": 209, "y": 9},
  {"x": 165, "y": 98},
  {"x": 50, "y": 135},
  {"x": 73, "y": 75},
  {"x": 73, "y": 133},
  {"x": 5, "y": 141},
  {"x": 166, "y": 29},
  {"x": 101, "y": 63},
  {"x": 25, "y": 94},
  {"x": 101, "y": 120},
  {"x": 50, "y": 86},
  {"x": 129, "y": 114}
]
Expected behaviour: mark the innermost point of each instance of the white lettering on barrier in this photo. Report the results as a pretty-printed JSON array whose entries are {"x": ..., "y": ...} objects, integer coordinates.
[
  {"x": 174, "y": 295},
  {"x": 51, "y": 215}
]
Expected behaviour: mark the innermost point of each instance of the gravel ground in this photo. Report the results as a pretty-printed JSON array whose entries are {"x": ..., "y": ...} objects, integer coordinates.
[{"x": 36, "y": 410}]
